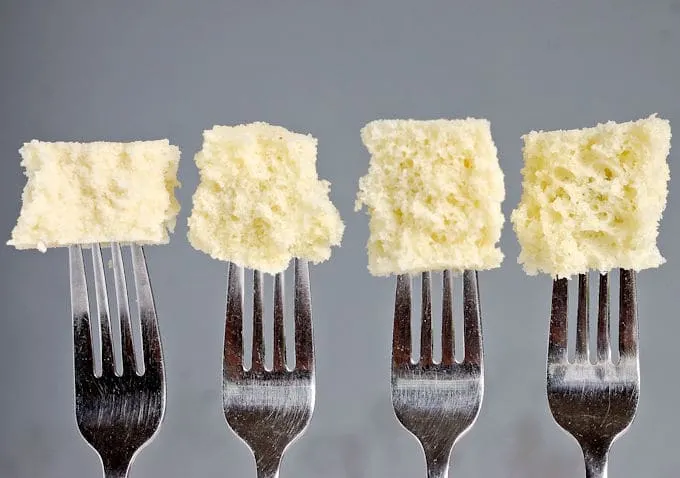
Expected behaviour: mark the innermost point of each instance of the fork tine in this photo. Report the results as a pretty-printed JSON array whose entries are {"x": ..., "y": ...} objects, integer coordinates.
[
  {"x": 80, "y": 307},
  {"x": 628, "y": 322},
  {"x": 603, "y": 334},
  {"x": 472, "y": 321},
  {"x": 304, "y": 344},
  {"x": 448, "y": 342},
  {"x": 557, "y": 342},
  {"x": 401, "y": 334},
  {"x": 426, "y": 319},
  {"x": 279, "y": 331},
  {"x": 582, "y": 319},
  {"x": 123, "y": 309},
  {"x": 151, "y": 341},
  {"x": 233, "y": 338},
  {"x": 258, "y": 333},
  {"x": 108, "y": 361}
]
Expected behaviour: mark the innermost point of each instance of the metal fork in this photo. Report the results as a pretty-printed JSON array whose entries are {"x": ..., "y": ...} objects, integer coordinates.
[
  {"x": 595, "y": 403},
  {"x": 118, "y": 412},
  {"x": 268, "y": 409},
  {"x": 437, "y": 402}
]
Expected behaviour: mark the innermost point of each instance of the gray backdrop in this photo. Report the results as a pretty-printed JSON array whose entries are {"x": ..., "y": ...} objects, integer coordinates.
[{"x": 83, "y": 70}]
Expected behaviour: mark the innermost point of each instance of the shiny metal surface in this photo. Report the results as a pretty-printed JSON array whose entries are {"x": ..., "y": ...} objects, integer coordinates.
[
  {"x": 437, "y": 402},
  {"x": 594, "y": 402},
  {"x": 118, "y": 411},
  {"x": 268, "y": 409}
]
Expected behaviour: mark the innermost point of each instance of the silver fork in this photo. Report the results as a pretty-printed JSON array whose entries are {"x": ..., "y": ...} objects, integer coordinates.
[
  {"x": 437, "y": 402},
  {"x": 118, "y": 412},
  {"x": 268, "y": 409},
  {"x": 595, "y": 403}
]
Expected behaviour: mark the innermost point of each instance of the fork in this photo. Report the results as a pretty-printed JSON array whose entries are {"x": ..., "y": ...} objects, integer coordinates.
[
  {"x": 117, "y": 411},
  {"x": 268, "y": 409},
  {"x": 437, "y": 402},
  {"x": 594, "y": 402}
]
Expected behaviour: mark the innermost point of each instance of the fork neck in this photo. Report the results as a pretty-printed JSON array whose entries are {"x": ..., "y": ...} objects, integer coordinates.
[
  {"x": 116, "y": 465},
  {"x": 438, "y": 471},
  {"x": 437, "y": 465},
  {"x": 267, "y": 473},
  {"x": 268, "y": 467},
  {"x": 116, "y": 472},
  {"x": 596, "y": 463}
]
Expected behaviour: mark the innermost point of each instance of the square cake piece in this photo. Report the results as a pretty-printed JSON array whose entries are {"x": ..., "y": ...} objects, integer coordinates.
[
  {"x": 82, "y": 193},
  {"x": 433, "y": 192},
  {"x": 260, "y": 201},
  {"x": 593, "y": 198}
]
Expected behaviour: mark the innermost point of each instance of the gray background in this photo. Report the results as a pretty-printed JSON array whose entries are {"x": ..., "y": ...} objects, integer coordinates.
[{"x": 85, "y": 70}]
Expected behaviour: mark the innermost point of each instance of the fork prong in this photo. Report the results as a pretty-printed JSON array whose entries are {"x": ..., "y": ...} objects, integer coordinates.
[
  {"x": 448, "y": 341},
  {"x": 80, "y": 308},
  {"x": 426, "y": 320},
  {"x": 258, "y": 333},
  {"x": 582, "y": 319},
  {"x": 401, "y": 333},
  {"x": 472, "y": 318},
  {"x": 123, "y": 310},
  {"x": 279, "y": 331},
  {"x": 151, "y": 341},
  {"x": 108, "y": 360},
  {"x": 557, "y": 342},
  {"x": 603, "y": 334},
  {"x": 628, "y": 321},
  {"x": 304, "y": 338},
  {"x": 233, "y": 334}
]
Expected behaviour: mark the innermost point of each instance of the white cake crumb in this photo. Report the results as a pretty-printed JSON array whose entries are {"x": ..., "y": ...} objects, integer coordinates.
[
  {"x": 433, "y": 192},
  {"x": 81, "y": 193},
  {"x": 260, "y": 201},
  {"x": 592, "y": 198}
]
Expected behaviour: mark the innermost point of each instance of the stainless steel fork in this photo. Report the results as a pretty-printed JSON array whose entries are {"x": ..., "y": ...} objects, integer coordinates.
[
  {"x": 437, "y": 402},
  {"x": 268, "y": 409},
  {"x": 594, "y": 402},
  {"x": 118, "y": 412}
]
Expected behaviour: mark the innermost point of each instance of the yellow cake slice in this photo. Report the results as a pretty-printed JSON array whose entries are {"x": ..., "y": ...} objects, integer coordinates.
[
  {"x": 260, "y": 202},
  {"x": 433, "y": 192},
  {"x": 81, "y": 193},
  {"x": 592, "y": 198}
]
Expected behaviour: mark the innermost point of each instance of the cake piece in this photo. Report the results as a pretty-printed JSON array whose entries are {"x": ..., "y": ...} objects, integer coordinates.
[
  {"x": 433, "y": 192},
  {"x": 593, "y": 198},
  {"x": 81, "y": 193},
  {"x": 260, "y": 201}
]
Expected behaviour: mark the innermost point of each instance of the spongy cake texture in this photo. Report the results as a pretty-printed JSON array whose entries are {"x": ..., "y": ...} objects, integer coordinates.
[
  {"x": 260, "y": 202},
  {"x": 433, "y": 192},
  {"x": 81, "y": 193},
  {"x": 593, "y": 198}
]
